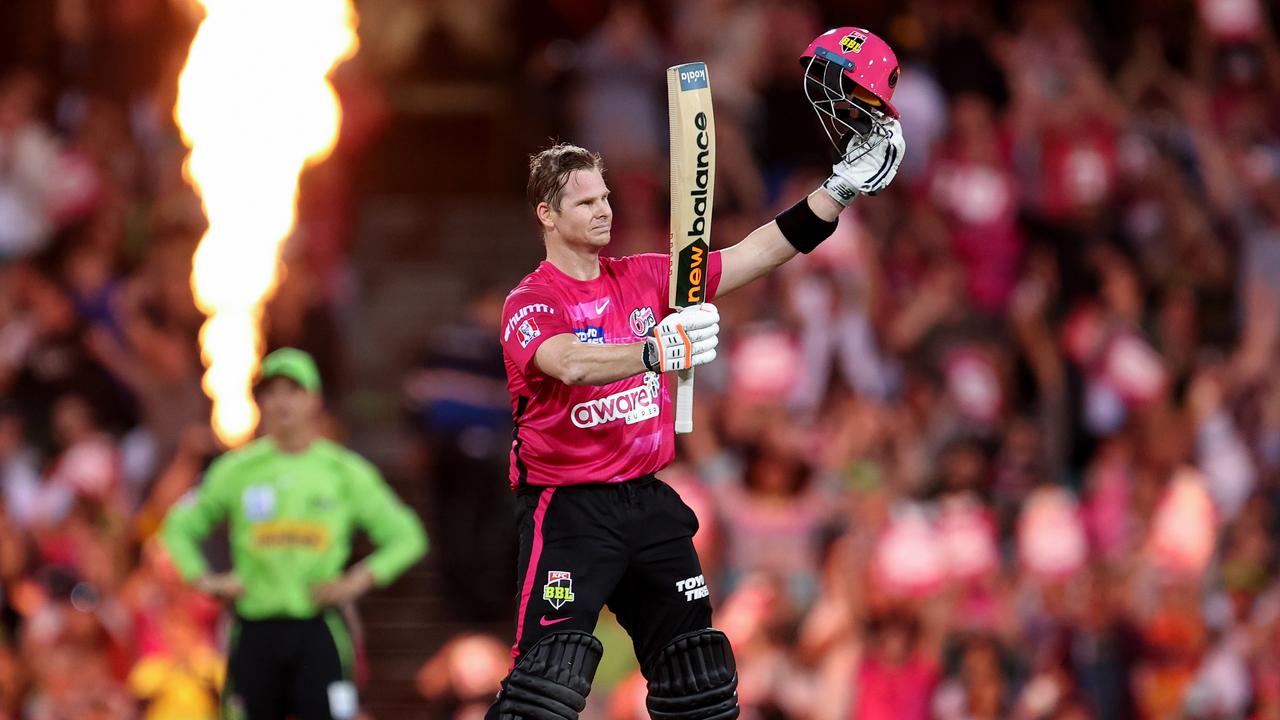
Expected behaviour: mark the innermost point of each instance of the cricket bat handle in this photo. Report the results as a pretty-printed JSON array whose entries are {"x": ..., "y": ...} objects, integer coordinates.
[{"x": 684, "y": 401}]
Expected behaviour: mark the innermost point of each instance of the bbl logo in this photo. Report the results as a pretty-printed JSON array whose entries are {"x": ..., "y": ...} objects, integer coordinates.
[
  {"x": 852, "y": 43},
  {"x": 893, "y": 78},
  {"x": 559, "y": 588},
  {"x": 642, "y": 321}
]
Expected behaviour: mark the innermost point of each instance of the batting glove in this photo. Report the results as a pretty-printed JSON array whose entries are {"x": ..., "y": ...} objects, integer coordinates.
[
  {"x": 684, "y": 339},
  {"x": 869, "y": 166}
]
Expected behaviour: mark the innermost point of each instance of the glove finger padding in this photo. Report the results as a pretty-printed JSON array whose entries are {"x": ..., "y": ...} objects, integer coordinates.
[
  {"x": 855, "y": 147},
  {"x": 703, "y": 333},
  {"x": 675, "y": 356},
  {"x": 684, "y": 339},
  {"x": 895, "y": 148},
  {"x": 695, "y": 317},
  {"x": 675, "y": 337},
  {"x": 869, "y": 167}
]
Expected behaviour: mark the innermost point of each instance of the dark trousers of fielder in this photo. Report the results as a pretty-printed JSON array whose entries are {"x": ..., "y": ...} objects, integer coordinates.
[
  {"x": 287, "y": 668},
  {"x": 628, "y": 546}
]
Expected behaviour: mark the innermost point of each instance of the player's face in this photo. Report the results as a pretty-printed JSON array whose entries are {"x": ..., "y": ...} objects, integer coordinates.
[
  {"x": 584, "y": 218},
  {"x": 286, "y": 406}
]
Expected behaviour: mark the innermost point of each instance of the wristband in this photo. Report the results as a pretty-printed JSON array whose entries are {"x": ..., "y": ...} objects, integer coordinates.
[
  {"x": 647, "y": 356},
  {"x": 802, "y": 227}
]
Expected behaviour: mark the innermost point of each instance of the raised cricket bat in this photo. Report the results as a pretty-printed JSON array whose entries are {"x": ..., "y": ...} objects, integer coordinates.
[{"x": 693, "y": 180}]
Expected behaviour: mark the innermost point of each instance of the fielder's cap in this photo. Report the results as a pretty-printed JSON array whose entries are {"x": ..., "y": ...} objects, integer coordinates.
[{"x": 294, "y": 364}]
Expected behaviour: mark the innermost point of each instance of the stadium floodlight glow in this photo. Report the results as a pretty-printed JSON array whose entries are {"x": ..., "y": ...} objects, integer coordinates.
[{"x": 255, "y": 107}]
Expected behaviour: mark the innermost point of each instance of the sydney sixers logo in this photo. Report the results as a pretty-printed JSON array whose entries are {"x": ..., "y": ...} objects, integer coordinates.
[{"x": 642, "y": 321}]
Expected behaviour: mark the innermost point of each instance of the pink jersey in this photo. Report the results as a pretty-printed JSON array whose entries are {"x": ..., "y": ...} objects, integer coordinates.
[{"x": 567, "y": 435}]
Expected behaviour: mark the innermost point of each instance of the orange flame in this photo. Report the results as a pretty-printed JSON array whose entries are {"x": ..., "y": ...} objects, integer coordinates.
[{"x": 255, "y": 106}]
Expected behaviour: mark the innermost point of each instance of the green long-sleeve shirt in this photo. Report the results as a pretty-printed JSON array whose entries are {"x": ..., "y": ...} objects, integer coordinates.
[{"x": 290, "y": 518}]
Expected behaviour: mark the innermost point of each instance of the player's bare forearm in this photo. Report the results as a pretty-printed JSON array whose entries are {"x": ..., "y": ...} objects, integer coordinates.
[
  {"x": 573, "y": 362},
  {"x": 765, "y": 248}
]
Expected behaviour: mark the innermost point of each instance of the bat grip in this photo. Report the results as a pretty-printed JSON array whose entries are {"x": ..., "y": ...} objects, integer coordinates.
[{"x": 684, "y": 401}]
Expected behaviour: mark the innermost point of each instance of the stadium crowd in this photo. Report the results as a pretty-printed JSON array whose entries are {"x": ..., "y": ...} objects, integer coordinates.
[
  {"x": 1020, "y": 459},
  {"x": 103, "y": 423},
  {"x": 1008, "y": 445}
]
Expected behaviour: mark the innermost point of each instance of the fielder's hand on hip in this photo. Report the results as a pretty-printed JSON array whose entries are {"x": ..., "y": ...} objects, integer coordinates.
[
  {"x": 684, "y": 339},
  {"x": 868, "y": 167}
]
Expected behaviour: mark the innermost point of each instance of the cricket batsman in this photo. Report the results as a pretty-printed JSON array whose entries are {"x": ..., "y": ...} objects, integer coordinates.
[{"x": 586, "y": 341}]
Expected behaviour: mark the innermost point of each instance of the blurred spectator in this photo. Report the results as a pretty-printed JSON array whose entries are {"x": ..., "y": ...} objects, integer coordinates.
[
  {"x": 461, "y": 676},
  {"x": 28, "y": 167},
  {"x": 898, "y": 671}
]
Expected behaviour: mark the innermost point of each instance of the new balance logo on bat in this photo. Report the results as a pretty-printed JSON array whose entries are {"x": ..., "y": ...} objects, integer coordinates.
[
  {"x": 693, "y": 259},
  {"x": 702, "y": 179},
  {"x": 693, "y": 255}
]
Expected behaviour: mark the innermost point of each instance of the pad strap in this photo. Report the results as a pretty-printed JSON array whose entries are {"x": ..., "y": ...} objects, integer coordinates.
[{"x": 802, "y": 227}]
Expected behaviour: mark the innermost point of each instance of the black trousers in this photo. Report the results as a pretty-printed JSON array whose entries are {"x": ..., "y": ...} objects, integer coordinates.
[
  {"x": 281, "y": 668},
  {"x": 626, "y": 545}
]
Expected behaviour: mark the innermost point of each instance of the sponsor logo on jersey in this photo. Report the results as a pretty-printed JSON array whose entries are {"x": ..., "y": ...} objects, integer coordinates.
[
  {"x": 559, "y": 588},
  {"x": 589, "y": 309},
  {"x": 852, "y": 42},
  {"x": 258, "y": 502},
  {"x": 323, "y": 503},
  {"x": 593, "y": 334},
  {"x": 522, "y": 313},
  {"x": 528, "y": 331},
  {"x": 642, "y": 321},
  {"x": 693, "y": 588},
  {"x": 631, "y": 405},
  {"x": 290, "y": 534}
]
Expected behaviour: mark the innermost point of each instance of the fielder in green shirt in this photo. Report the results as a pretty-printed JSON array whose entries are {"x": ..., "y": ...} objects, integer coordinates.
[{"x": 292, "y": 501}]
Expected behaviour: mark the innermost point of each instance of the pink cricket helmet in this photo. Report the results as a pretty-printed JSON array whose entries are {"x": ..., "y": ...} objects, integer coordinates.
[{"x": 850, "y": 76}]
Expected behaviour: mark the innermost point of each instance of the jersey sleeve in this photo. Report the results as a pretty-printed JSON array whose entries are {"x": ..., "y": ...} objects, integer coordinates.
[
  {"x": 658, "y": 269},
  {"x": 530, "y": 316},
  {"x": 397, "y": 534},
  {"x": 193, "y": 517}
]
